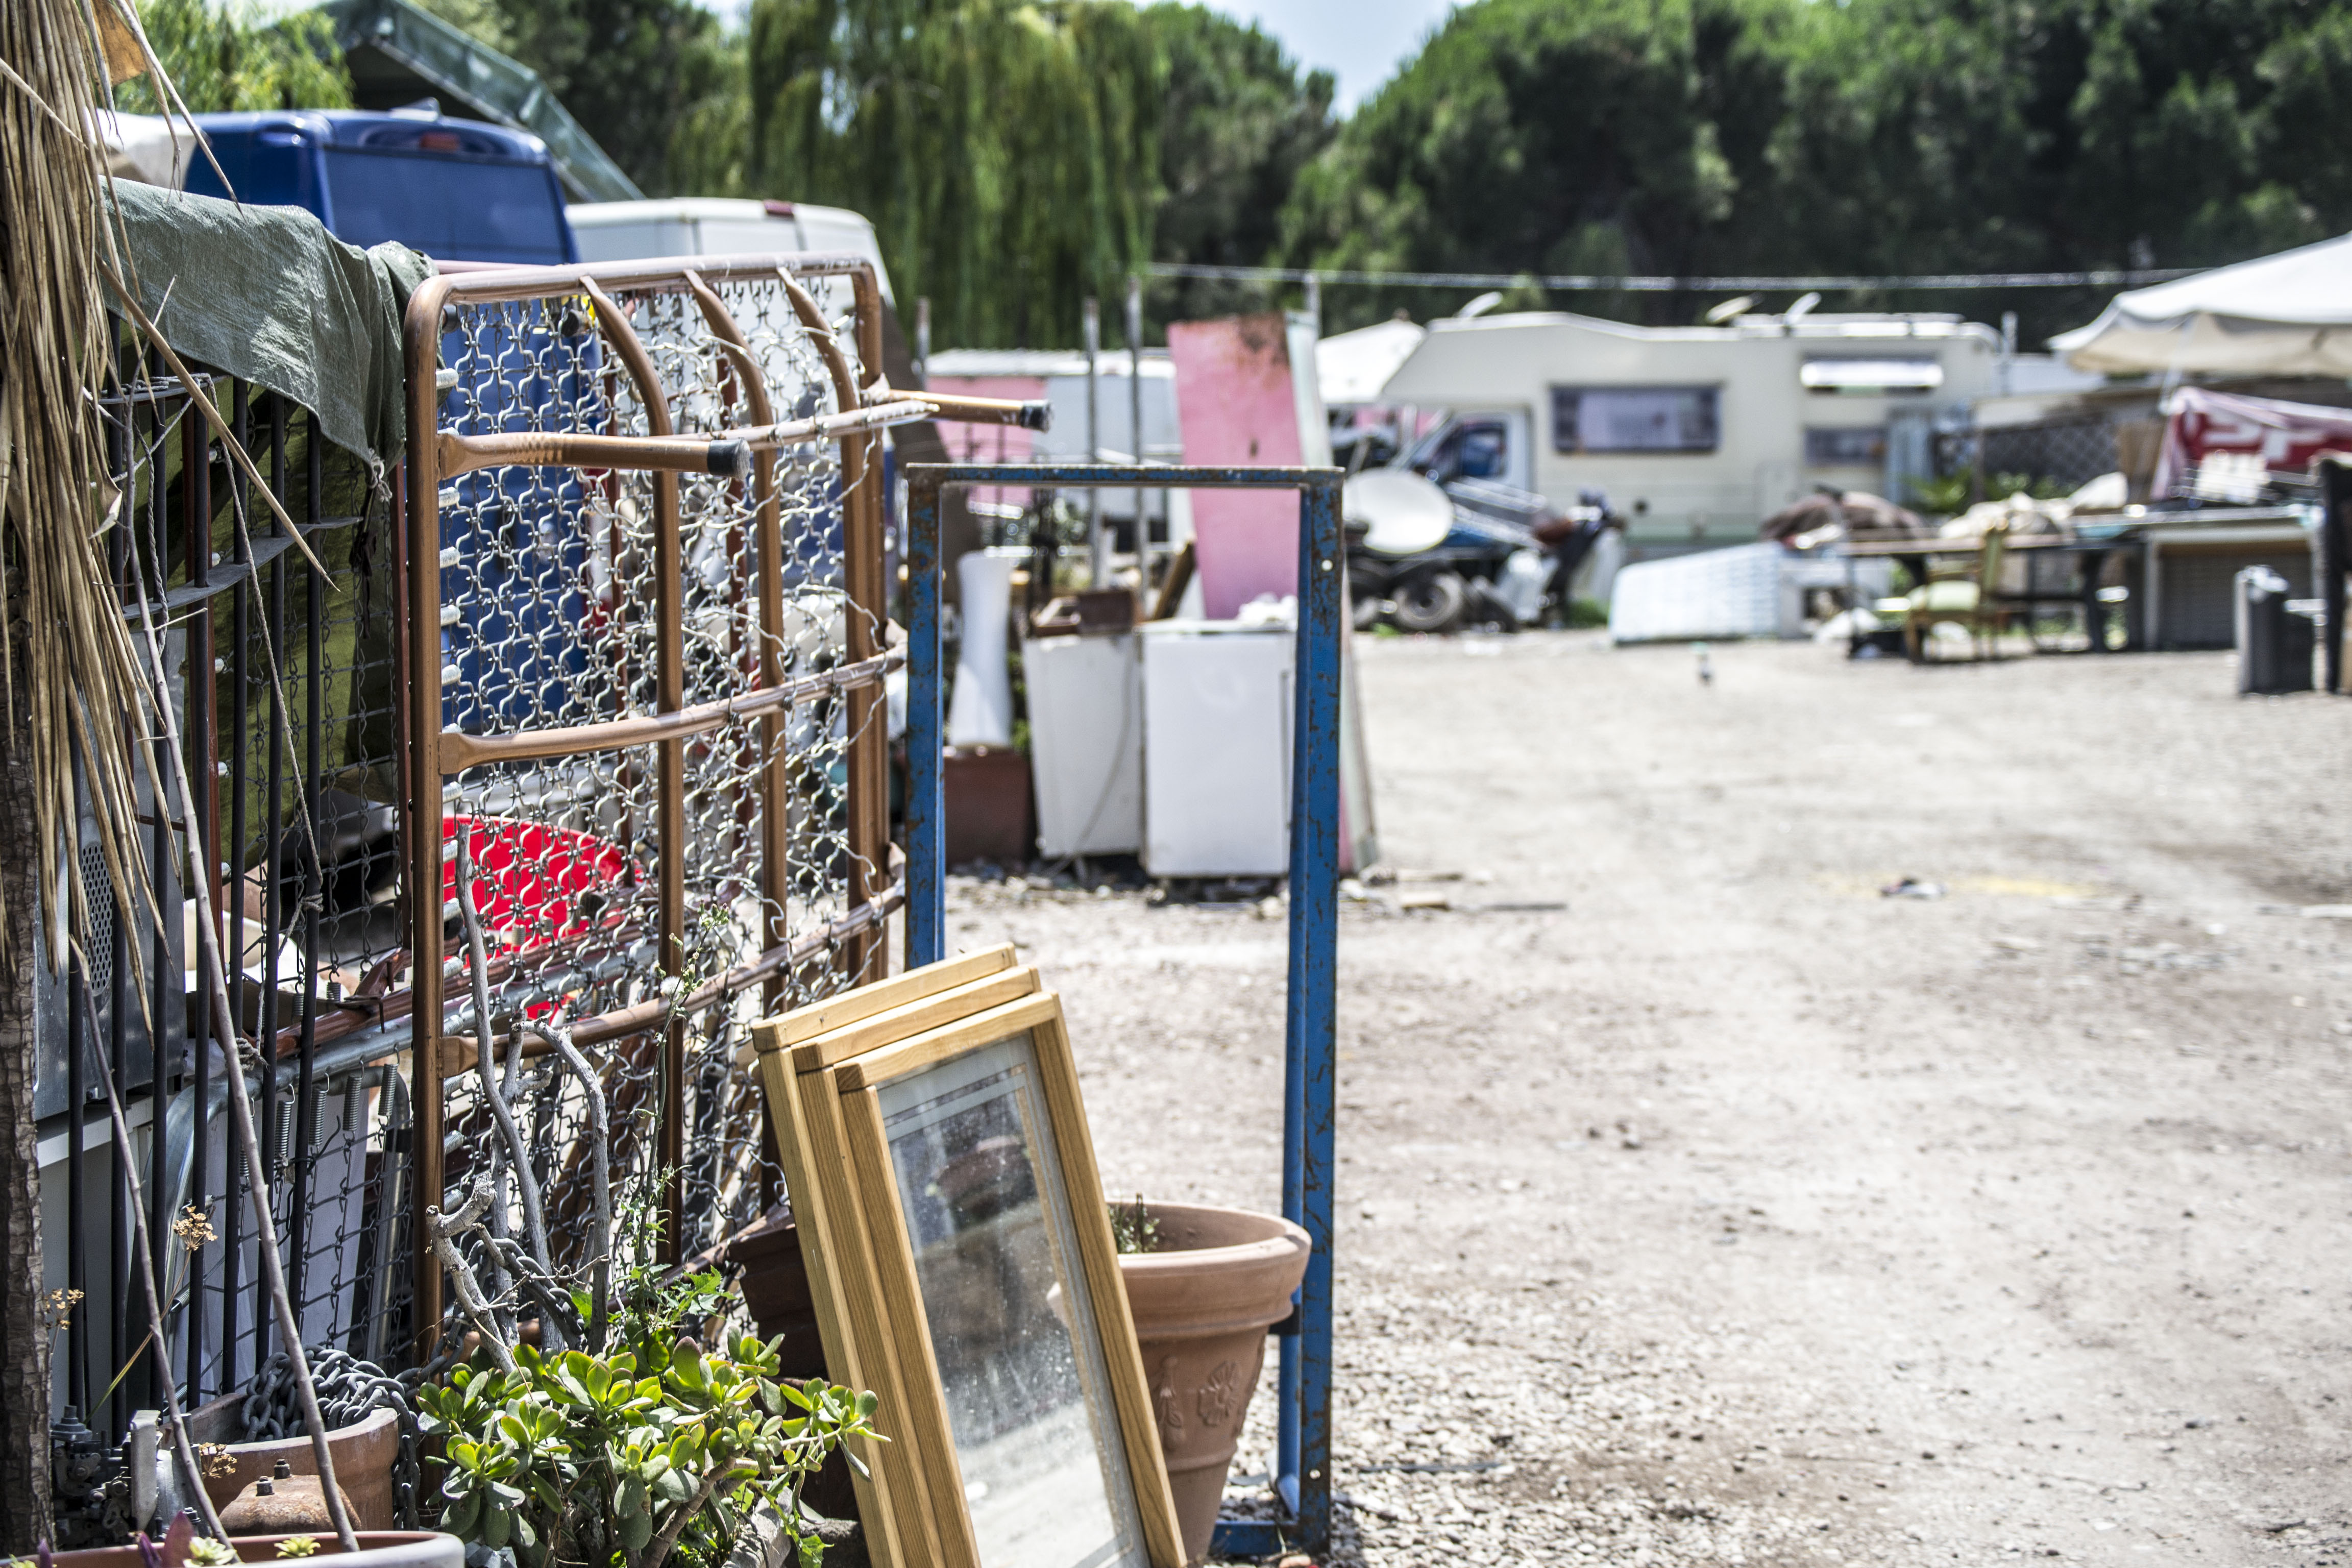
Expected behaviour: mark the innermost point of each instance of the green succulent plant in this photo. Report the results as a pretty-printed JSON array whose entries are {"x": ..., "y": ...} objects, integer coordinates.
[
  {"x": 627, "y": 1459},
  {"x": 641, "y": 1444}
]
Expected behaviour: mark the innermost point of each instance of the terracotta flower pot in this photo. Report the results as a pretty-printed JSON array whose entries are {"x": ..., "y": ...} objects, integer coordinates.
[
  {"x": 1203, "y": 1301},
  {"x": 364, "y": 1456},
  {"x": 776, "y": 1292},
  {"x": 378, "y": 1548}
]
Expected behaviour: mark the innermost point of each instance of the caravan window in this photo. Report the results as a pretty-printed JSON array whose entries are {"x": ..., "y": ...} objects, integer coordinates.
[
  {"x": 1858, "y": 446},
  {"x": 1634, "y": 419}
]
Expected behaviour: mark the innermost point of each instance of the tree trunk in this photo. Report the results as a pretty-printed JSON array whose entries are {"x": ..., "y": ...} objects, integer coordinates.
[{"x": 24, "y": 1334}]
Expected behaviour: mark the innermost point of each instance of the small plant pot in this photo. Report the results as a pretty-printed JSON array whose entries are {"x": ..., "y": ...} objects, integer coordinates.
[
  {"x": 378, "y": 1548},
  {"x": 364, "y": 1453},
  {"x": 1203, "y": 1301}
]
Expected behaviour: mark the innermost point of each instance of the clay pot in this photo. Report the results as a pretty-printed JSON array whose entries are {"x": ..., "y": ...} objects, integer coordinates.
[
  {"x": 365, "y": 1455},
  {"x": 1202, "y": 1302},
  {"x": 378, "y": 1548},
  {"x": 775, "y": 1287},
  {"x": 776, "y": 1292},
  {"x": 284, "y": 1505}
]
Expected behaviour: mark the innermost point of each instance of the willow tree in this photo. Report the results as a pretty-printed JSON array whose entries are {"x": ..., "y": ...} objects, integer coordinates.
[
  {"x": 225, "y": 56},
  {"x": 1005, "y": 151}
]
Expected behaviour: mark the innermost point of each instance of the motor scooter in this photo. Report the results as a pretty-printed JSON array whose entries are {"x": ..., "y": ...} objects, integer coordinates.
[{"x": 1427, "y": 558}]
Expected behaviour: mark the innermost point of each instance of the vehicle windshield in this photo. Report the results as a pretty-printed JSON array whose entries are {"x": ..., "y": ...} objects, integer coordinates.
[
  {"x": 1473, "y": 450},
  {"x": 452, "y": 208}
]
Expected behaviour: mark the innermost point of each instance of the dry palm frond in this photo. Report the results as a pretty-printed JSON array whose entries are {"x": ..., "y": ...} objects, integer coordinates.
[
  {"x": 67, "y": 661},
  {"x": 74, "y": 688}
]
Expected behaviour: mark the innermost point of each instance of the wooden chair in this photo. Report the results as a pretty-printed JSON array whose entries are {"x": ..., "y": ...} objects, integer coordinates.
[{"x": 1971, "y": 597}]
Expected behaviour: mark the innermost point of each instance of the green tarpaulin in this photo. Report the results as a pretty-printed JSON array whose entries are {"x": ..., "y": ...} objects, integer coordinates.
[{"x": 267, "y": 295}]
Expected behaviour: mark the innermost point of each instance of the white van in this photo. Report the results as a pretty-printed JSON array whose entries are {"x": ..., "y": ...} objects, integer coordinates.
[
  {"x": 714, "y": 225},
  {"x": 1696, "y": 432}
]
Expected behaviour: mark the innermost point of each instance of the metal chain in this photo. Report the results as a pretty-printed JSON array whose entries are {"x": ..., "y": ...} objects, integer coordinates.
[{"x": 348, "y": 1389}]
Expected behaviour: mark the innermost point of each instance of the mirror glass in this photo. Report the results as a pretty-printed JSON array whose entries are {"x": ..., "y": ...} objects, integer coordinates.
[{"x": 1021, "y": 1364}]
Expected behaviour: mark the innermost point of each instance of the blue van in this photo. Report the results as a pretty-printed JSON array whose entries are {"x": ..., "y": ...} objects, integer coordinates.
[
  {"x": 458, "y": 190},
  {"x": 461, "y": 190}
]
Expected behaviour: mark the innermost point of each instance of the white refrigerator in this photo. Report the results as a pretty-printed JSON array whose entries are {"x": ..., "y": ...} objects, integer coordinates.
[{"x": 1216, "y": 747}]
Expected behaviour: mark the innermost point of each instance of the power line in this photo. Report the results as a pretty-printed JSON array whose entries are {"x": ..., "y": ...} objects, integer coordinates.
[{"x": 1593, "y": 283}]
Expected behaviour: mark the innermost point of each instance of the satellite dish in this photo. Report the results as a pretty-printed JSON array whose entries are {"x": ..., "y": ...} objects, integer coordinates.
[{"x": 1402, "y": 513}]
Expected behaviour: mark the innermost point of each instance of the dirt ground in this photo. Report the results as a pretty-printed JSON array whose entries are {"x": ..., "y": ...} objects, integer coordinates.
[{"x": 1736, "y": 1213}]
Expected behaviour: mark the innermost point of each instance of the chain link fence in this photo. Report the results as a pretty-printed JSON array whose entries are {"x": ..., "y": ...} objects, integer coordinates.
[
  {"x": 2056, "y": 455},
  {"x": 643, "y": 706},
  {"x": 276, "y": 674}
]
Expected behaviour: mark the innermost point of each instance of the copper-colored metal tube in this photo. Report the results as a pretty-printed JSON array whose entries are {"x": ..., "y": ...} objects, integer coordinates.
[
  {"x": 1036, "y": 415},
  {"x": 869, "y": 763},
  {"x": 555, "y": 448},
  {"x": 460, "y": 750},
  {"x": 836, "y": 364},
  {"x": 833, "y": 426},
  {"x": 669, "y": 789},
  {"x": 457, "y": 1054},
  {"x": 502, "y": 282},
  {"x": 421, "y": 821}
]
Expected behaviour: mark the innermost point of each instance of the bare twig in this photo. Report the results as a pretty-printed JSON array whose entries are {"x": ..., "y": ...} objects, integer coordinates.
[
  {"x": 443, "y": 1229},
  {"x": 240, "y": 1104},
  {"x": 600, "y": 1241},
  {"x": 484, "y": 1059},
  {"x": 679, "y": 1519}
]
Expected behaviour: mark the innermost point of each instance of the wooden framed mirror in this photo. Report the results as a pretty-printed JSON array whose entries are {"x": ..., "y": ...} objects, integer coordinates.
[{"x": 960, "y": 1226}]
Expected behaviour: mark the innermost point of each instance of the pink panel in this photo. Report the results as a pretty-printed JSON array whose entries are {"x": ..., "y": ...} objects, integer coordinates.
[
  {"x": 990, "y": 443},
  {"x": 1234, "y": 401}
]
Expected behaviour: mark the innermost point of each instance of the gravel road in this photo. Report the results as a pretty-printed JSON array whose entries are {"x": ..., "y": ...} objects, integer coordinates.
[{"x": 1733, "y": 1212}]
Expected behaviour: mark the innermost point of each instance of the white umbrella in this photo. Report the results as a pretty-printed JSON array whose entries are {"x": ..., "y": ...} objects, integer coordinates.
[{"x": 2289, "y": 314}]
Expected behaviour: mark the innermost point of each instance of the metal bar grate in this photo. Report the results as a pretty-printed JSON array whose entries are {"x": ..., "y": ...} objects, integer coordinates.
[{"x": 647, "y": 697}]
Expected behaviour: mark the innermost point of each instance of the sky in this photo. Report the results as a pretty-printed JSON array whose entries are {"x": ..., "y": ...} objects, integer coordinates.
[{"x": 1360, "y": 42}]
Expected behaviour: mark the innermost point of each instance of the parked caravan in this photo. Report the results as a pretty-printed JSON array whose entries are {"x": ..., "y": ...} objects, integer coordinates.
[
  {"x": 1696, "y": 432},
  {"x": 714, "y": 225}
]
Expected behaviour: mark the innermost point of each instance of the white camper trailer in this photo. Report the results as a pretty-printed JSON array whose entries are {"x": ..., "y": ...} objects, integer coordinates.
[
  {"x": 717, "y": 225},
  {"x": 1696, "y": 432}
]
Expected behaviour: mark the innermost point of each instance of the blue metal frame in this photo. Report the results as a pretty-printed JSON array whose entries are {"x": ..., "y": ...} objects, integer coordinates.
[{"x": 1311, "y": 1085}]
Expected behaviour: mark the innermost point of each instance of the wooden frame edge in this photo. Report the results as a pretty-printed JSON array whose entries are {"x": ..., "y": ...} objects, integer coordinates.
[
  {"x": 916, "y": 1052},
  {"x": 837, "y": 1013},
  {"x": 1057, "y": 1077},
  {"x": 917, "y": 1020},
  {"x": 851, "y": 1084},
  {"x": 849, "y": 1358},
  {"x": 896, "y": 1283}
]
